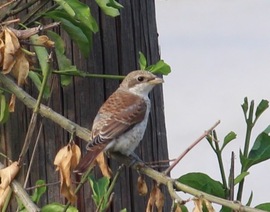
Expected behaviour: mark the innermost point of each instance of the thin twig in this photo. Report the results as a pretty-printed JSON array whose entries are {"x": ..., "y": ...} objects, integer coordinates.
[
  {"x": 6, "y": 4},
  {"x": 10, "y": 21},
  {"x": 45, "y": 184},
  {"x": 190, "y": 147}
]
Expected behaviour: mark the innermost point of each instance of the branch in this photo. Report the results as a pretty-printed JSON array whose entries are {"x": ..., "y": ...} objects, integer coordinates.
[
  {"x": 161, "y": 178},
  {"x": 45, "y": 111},
  {"x": 22, "y": 195},
  {"x": 83, "y": 133}
]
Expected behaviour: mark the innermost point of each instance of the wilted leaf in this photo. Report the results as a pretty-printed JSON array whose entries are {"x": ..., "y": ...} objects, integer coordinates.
[
  {"x": 240, "y": 177},
  {"x": 56, "y": 207},
  {"x": 180, "y": 208},
  {"x": 264, "y": 206},
  {"x": 11, "y": 106},
  {"x": 151, "y": 200},
  {"x": 260, "y": 150},
  {"x": 198, "y": 203},
  {"x": 159, "y": 200},
  {"x": 142, "y": 186},
  {"x": 44, "y": 41},
  {"x": 228, "y": 138},
  {"x": 65, "y": 162},
  {"x": 3, "y": 196},
  {"x": 12, "y": 45},
  {"x": 7, "y": 175},
  {"x": 103, "y": 165},
  {"x": 203, "y": 183},
  {"x": 208, "y": 205},
  {"x": 109, "y": 7},
  {"x": 156, "y": 198},
  {"x": 142, "y": 61},
  {"x": 2, "y": 48},
  {"x": 99, "y": 189},
  {"x": 21, "y": 68}
]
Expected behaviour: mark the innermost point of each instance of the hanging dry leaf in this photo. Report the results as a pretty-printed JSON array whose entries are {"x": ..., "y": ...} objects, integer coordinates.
[
  {"x": 198, "y": 205},
  {"x": 45, "y": 41},
  {"x": 103, "y": 165},
  {"x": 66, "y": 159},
  {"x": 142, "y": 186},
  {"x": 208, "y": 205},
  {"x": 151, "y": 200},
  {"x": 7, "y": 175},
  {"x": 2, "y": 48},
  {"x": 159, "y": 199},
  {"x": 3, "y": 197},
  {"x": 12, "y": 45},
  {"x": 177, "y": 208}
]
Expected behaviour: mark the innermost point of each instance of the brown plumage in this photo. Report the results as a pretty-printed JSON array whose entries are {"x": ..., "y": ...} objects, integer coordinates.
[{"x": 121, "y": 121}]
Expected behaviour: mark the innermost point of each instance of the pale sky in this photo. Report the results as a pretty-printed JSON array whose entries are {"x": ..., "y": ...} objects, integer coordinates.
[{"x": 219, "y": 52}]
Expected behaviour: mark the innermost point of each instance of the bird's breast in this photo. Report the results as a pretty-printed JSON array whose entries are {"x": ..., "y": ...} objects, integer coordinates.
[{"x": 127, "y": 142}]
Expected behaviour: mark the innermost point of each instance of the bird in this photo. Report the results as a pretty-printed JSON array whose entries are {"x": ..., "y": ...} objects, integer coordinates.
[{"x": 121, "y": 121}]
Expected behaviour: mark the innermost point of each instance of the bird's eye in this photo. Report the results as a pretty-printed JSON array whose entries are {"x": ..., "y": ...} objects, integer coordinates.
[{"x": 140, "y": 78}]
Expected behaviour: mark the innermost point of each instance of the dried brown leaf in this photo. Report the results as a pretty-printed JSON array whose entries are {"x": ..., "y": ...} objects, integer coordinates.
[
  {"x": 103, "y": 165},
  {"x": 198, "y": 205},
  {"x": 45, "y": 41},
  {"x": 177, "y": 208},
  {"x": 151, "y": 200},
  {"x": 20, "y": 69},
  {"x": 2, "y": 48},
  {"x": 159, "y": 199},
  {"x": 11, "y": 106},
  {"x": 142, "y": 186},
  {"x": 63, "y": 160},
  {"x": 7, "y": 175},
  {"x": 3, "y": 196},
  {"x": 12, "y": 45},
  {"x": 208, "y": 205}
]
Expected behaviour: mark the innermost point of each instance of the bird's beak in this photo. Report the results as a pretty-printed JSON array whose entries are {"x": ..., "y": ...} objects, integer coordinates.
[{"x": 156, "y": 81}]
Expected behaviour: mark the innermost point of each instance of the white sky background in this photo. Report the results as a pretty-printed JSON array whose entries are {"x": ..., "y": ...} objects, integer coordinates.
[{"x": 219, "y": 52}]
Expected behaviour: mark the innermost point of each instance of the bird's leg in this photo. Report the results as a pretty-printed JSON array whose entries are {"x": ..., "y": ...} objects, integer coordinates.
[{"x": 135, "y": 158}]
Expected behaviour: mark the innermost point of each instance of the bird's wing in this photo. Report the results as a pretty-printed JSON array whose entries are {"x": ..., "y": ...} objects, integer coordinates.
[{"x": 117, "y": 115}]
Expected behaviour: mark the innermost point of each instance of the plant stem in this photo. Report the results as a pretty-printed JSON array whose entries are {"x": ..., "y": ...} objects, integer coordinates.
[{"x": 250, "y": 125}]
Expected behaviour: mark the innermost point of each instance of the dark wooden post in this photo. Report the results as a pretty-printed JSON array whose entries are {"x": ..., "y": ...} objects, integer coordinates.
[{"x": 115, "y": 51}]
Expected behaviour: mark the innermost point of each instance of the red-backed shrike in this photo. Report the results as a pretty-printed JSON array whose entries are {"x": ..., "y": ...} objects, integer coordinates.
[{"x": 121, "y": 121}]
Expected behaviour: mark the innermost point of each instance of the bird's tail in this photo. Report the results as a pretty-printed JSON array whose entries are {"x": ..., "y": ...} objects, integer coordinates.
[{"x": 89, "y": 159}]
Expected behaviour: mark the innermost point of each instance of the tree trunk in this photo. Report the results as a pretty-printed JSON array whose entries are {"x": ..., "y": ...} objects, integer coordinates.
[{"x": 115, "y": 51}]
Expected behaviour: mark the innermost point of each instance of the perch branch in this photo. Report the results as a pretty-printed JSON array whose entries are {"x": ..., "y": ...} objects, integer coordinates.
[
  {"x": 83, "y": 133},
  {"x": 45, "y": 111}
]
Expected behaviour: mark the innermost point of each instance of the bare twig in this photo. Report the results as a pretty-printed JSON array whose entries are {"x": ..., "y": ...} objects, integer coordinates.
[
  {"x": 190, "y": 147},
  {"x": 6, "y": 4},
  {"x": 10, "y": 21}
]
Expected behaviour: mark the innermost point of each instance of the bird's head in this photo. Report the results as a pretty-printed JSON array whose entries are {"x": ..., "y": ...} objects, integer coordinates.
[{"x": 140, "y": 82}]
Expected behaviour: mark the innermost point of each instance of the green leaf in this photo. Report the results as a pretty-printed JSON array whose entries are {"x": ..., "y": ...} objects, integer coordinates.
[
  {"x": 42, "y": 54},
  {"x": 37, "y": 80},
  {"x": 250, "y": 199},
  {"x": 160, "y": 68},
  {"x": 203, "y": 183},
  {"x": 99, "y": 189},
  {"x": 80, "y": 12},
  {"x": 124, "y": 210},
  {"x": 264, "y": 104},
  {"x": 264, "y": 206},
  {"x": 4, "y": 111},
  {"x": 260, "y": 150},
  {"x": 39, "y": 191},
  {"x": 64, "y": 64},
  {"x": 240, "y": 177},
  {"x": 56, "y": 207},
  {"x": 245, "y": 106},
  {"x": 109, "y": 7},
  {"x": 228, "y": 138},
  {"x": 78, "y": 32},
  {"x": 142, "y": 61}
]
